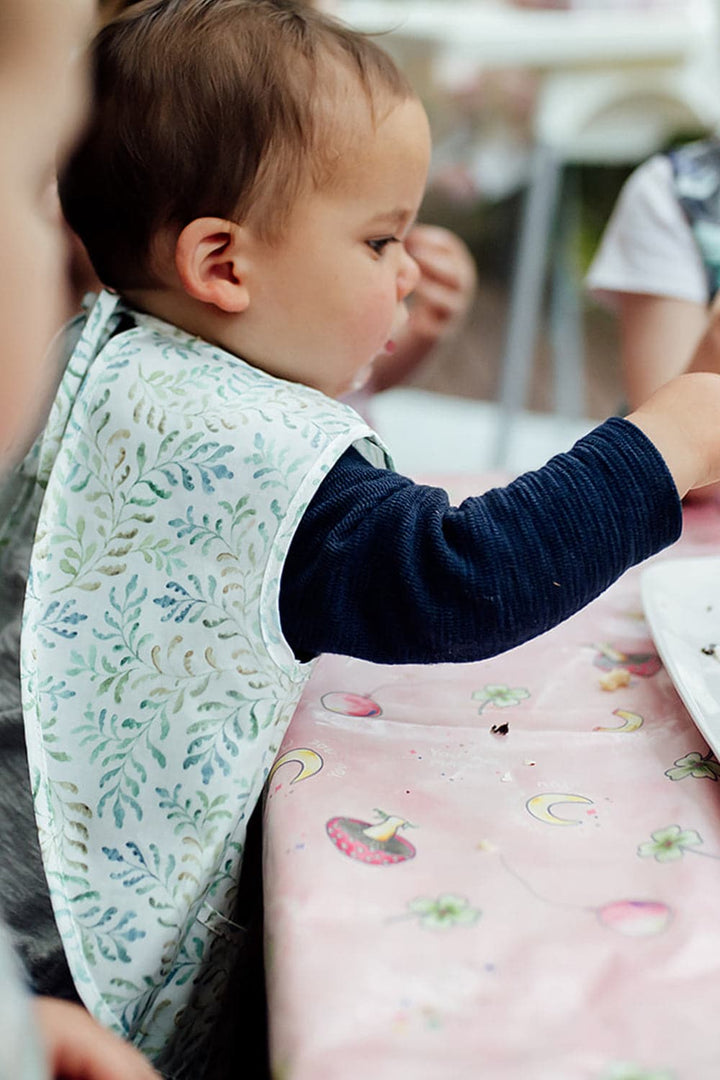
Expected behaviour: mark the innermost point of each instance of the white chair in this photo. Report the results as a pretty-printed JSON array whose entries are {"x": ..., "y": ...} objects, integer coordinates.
[
  {"x": 592, "y": 115},
  {"x": 615, "y": 86}
]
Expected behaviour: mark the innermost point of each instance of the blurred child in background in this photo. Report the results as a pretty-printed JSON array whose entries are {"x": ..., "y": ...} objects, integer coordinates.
[{"x": 658, "y": 264}]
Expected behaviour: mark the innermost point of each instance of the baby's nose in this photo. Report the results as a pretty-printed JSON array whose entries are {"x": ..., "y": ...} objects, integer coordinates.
[{"x": 408, "y": 276}]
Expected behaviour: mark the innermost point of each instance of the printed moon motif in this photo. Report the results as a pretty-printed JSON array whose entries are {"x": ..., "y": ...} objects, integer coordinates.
[
  {"x": 631, "y": 721},
  {"x": 310, "y": 762},
  {"x": 541, "y": 807}
]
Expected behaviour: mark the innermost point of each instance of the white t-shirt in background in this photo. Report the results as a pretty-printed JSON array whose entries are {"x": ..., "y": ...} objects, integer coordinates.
[{"x": 648, "y": 245}]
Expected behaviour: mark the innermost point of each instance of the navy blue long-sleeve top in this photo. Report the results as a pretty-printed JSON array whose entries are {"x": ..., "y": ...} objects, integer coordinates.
[{"x": 386, "y": 570}]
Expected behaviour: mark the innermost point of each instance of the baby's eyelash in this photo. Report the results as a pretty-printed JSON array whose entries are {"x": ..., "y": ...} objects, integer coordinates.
[{"x": 378, "y": 246}]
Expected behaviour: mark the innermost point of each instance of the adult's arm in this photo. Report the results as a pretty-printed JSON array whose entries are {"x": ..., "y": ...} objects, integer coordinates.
[{"x": 657, "y": 337}]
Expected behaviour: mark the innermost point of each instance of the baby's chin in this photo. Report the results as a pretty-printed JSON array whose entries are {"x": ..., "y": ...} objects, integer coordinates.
[{"x": 364, "y": 375}]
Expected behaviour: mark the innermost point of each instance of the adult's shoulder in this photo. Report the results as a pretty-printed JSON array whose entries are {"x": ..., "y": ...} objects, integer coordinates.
[{"x": 648, "y": 246}]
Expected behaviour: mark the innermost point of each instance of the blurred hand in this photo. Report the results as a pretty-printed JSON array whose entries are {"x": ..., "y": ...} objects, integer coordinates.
[
  {"x": 79, "y": 1048},
  {"x": 438, "y": 305},
  {"x": 447, "y": 281}
]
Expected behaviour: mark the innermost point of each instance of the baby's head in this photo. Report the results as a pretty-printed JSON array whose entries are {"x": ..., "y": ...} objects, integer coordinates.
[{"x": 234, "y": 146}]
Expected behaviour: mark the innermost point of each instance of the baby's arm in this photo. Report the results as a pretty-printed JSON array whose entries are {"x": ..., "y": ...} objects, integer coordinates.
[
  {"x": 682, "y": 419},
  {"x": 79, "y": 1048},
  {"x": 387, "y": 570},
  {"x": 441, "y": 299},
  {"x": 706, "y": 357}
]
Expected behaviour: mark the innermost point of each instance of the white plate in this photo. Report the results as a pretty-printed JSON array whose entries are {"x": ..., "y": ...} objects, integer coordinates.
[{"x": 681, "y": 598}]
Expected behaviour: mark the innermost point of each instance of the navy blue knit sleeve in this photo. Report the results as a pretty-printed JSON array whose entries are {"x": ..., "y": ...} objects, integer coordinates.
[{"x": 386, "y": 570}]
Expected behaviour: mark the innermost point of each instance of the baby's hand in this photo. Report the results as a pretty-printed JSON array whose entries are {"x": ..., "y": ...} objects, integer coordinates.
[
  {"x": 706, "y": 357},
  {"x": 682, "y": 418},
  {"x": 77, "y": 1047},
  {"x": 447, "y": 281}
]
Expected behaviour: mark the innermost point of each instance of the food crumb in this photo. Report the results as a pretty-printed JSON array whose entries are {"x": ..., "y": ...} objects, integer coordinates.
[
  {"x": 528, "y": 761},
  {"x": 709, "y": 650},
  {"x": 505, "y": 778},
  {"x": 500, "y": 729},
  {"x": 486, "y": 845},
  {"x": 615, "y": 678}
]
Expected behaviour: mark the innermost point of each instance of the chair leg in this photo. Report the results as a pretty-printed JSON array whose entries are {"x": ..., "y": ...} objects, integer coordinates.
[
  {"x": 566, "y": 309},
  {"x": 527, "y": 292}
]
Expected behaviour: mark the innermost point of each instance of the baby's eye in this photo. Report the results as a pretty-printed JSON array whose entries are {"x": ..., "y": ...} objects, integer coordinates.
[{"x": 378, "y": 246}]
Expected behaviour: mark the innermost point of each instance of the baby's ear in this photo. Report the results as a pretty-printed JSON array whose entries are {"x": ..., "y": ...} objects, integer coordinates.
[{"x": 211, "y": 262}]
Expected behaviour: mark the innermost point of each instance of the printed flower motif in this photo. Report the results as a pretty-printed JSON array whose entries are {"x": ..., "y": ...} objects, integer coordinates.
[
  {"x": 625, "y": 1071},
  {"x": 445, "y": 912},
  {"x": 669, "y": 844},
  {"x": 500, "y": 696},
  {"x": 697, "y": 765}
]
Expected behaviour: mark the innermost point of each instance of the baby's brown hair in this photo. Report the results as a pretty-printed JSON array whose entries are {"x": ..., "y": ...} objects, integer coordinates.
[{"x": 222, "y": 108}]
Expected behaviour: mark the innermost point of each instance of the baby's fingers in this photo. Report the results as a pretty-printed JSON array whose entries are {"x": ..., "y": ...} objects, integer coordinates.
[
  {"x": 443, "y": 302},
  {"x": 443, "y": 257}
]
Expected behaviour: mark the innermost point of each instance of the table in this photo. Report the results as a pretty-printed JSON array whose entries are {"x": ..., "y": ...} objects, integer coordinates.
[{"x": 445, "y": 901}]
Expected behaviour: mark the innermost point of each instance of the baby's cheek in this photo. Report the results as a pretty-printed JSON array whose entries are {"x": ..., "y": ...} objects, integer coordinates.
[{"x": 374, "y": 319}]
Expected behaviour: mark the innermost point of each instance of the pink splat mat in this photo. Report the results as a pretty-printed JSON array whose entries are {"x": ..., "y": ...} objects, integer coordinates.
[{"x": 446, "y": 901}]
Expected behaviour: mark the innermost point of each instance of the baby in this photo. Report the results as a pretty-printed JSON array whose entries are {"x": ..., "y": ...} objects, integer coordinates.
[{"x": 213, "y": 517}]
